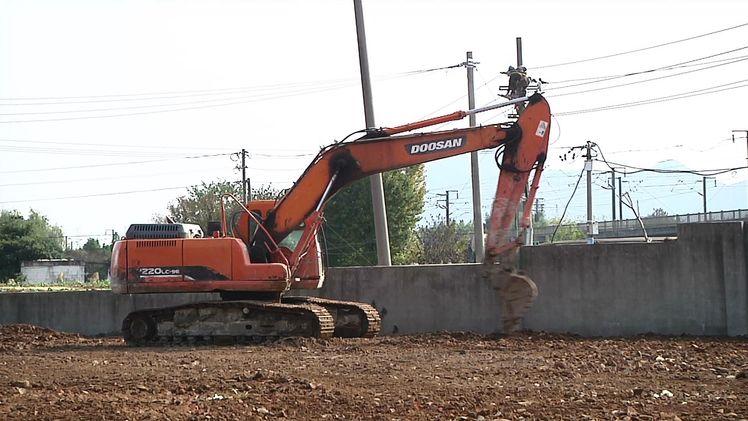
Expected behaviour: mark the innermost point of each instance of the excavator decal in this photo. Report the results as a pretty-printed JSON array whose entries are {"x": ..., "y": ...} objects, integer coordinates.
[{"x": 438, "y": 145}]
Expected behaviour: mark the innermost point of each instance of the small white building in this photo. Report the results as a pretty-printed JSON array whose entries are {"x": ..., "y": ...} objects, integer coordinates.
[{"x": 52, "y": 271}]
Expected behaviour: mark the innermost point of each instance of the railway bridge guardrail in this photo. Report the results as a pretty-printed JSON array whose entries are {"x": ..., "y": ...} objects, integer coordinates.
[{"x": 656, "y": 226}]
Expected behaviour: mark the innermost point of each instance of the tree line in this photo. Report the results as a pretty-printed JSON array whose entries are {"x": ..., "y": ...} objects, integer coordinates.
[
  {"x": 33, "y": 237},
  {"x": 347, "y": 236}
]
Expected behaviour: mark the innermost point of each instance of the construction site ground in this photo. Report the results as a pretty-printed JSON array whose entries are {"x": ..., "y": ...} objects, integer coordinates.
[{"x": 50, "y": 375}]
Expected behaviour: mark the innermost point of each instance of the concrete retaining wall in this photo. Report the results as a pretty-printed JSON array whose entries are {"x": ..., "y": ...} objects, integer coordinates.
[
  {"x": 425, "y": 298},
  {"x": 86, "y": 312},
  {"x": 696, "y": 285}
]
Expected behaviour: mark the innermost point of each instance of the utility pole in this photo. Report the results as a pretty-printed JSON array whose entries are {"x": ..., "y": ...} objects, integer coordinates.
[
  {"x": 745, "y": 132},
  {"x": 539, "y": 208},
  {"x": 588, "y": 169},
  {"x": 447, "y": 201},
  {"x": 620, "y": 197},
  {"x": 703, "y": 196},
  {"x": 703, "y": 185},
  {"x": 530, "y": 232},
  {"x": 377, "y": 187},
  {"x": 613, "y": 192},
  {"x": 244, "y": 176},
  {"x": 474, "y": 169}
]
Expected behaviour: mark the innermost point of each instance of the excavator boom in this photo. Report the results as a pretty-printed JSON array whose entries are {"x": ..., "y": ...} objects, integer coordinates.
[{"x": 525, "y": 147}]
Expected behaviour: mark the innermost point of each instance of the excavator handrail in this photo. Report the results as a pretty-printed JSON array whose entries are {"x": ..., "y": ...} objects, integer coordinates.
[{"x": 257, "y": 221}]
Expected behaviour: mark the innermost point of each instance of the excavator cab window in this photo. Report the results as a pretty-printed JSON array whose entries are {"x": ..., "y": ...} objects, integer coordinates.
[
  {"x": 292, "y": 240},
  {"x": 253, "y": 226}
]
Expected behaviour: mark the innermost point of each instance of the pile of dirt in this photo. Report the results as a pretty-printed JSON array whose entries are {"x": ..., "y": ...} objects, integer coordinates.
[{"x": 22, "y": 336}]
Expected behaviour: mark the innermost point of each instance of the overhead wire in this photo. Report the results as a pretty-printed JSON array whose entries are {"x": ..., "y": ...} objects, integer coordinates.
[
  {"x": 97, "y": 178},
  {"x": 181, "y": 106},
  {"x": 563, "y": 214},
  {"x": 112, "y": 164},
  {"x": 687, "y": 63},
  {"x": 113, "y": 145},
  {"x": 203, "y": 92},
  {"x": 243, "y": 99},
  {"x": 651, "y": 47},
  {"x": 619, "y": 75},
  {"x": 602, "y": 88},
  {"x": 682, "y": 95},
  {"x": 94, "y": 195},
  {"x": 703, "y": 173}
]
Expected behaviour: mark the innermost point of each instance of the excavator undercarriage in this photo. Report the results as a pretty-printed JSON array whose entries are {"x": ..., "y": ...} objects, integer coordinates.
[{"x": 251, "y": 321}]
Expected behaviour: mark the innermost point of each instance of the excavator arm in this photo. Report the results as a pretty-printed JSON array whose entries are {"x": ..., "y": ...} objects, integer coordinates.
[{"x": 525, "y": 146}]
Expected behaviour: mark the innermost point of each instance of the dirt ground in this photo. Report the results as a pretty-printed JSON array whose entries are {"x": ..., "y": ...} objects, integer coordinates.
[{"x": 50, "y": 375}]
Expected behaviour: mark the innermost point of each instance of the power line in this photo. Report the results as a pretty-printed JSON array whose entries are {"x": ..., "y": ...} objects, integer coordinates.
[
  {"x": 95, "y": 179},
  {"x": 645, "y": 80},
  {"x": 687, "y": 63},
  {"x": 204, "y": 92},
  {"x": 130, "y": 153},
  {"x": 113, "y": 164},
  {"x": 616, "y": 76},
  {"x": 561, "y": 220},
  {"x": 641, "y": 49},
  {"x": 202, "y": 101},
  {"x": 95, "y": 195},
  {"x": 681, "y": 95},
  {"x": 191, "y": 91},
  {"x": 709, "y": 172},
  {"x": 301, "y": 88},
  {"x": 264, "y": 153},
  {"x": 82, "y": 152},
  {"x": 113, "y": 145},
  {"x": 153, "y": 97}
]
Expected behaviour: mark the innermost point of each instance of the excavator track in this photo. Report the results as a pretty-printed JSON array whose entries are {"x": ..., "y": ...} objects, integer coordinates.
[
  {"x": 352, "y": 319},
  {"x": 226, "y": 322}
]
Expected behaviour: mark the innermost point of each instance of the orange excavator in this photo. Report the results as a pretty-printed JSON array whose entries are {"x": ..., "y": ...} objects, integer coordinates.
[{"x": 267, "y": 248}]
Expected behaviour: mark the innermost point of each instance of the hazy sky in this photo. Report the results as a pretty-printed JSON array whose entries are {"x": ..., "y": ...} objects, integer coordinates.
[{"x": 280, "y": 78}]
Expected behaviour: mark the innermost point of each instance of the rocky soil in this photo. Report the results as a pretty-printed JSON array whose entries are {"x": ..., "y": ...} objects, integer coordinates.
[{"x": 51, "y": 375}]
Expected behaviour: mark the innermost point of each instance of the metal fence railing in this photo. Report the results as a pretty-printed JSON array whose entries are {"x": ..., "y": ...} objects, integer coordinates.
[{"x": 652, "y": 222}]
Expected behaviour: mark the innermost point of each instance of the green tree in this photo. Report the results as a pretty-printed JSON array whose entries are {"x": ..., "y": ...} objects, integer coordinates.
[
  {"x": 567, "y": 232},
  {"x": 202, "y": 203},
  {"x": 442, "y": 243},
  {"x": 349, "y": 230},
  {"x": 24, "y": 239}
]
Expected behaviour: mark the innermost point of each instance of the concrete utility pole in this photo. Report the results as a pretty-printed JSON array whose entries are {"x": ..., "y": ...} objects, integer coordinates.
[
  {"x": 530, "y": 232},
  {"x": 539, "y": 207},
  {"x": 244, "y": 176},
  {"x": 613, "y": 192},
  {"x": 474, "y": 168},
  {"x": 377, "y": 187},
  {"x": 447, "y": 201},
  {"x": 588, "y": 169},
  {"x": 620, "y": 199},
  {"x": 703, "y": 184}
]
